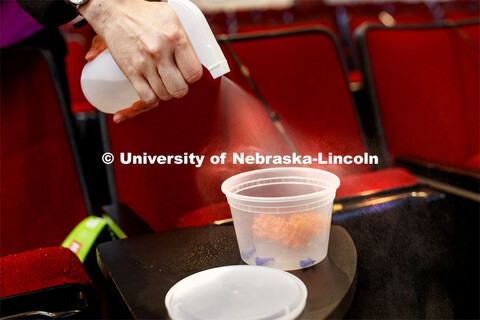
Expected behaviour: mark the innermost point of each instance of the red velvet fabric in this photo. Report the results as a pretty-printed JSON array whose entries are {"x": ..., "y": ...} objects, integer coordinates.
[
  {"x": 41, "y": 200},
  {"x": 427, "y": 86},
  {"x": 40, "y": 269},
  {"x": 353, "y": 185},
  {"x": 302, "y": 79}
]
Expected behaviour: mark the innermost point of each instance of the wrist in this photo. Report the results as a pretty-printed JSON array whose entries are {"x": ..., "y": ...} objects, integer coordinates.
[{"x": 97, "y": 12}]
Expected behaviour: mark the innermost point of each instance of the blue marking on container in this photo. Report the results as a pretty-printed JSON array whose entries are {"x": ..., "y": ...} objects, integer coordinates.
[
  {"x": 248, "y": 253},
  {"x": 306, "y": 263},
  {"x": 262, "y": 261}
]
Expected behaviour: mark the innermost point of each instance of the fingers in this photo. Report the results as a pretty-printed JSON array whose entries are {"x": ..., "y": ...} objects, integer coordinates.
[
  {"x": 164, "y": 81},
  {"x": 97, "y": 46},
  {"x": 172, "y": 78},
  {"x": 144, "y": 90},
  {"x": 150, "y": 93},
  {"x": 154, "y": 86},
  {"x": 179, "y": 70},
  {"x": 157, "y": 84},
  {"x": 187, "y": 62}
]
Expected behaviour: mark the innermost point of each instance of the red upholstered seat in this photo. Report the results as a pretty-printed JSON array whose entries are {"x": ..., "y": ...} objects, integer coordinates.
[
  {"x": 41, "y": 197},
  {"x": 40, "y": 269},
  {"x": 426, "y": 84}
]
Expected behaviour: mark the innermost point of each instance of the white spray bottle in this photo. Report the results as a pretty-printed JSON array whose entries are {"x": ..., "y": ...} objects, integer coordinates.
[{"x": 106, "y": 87}]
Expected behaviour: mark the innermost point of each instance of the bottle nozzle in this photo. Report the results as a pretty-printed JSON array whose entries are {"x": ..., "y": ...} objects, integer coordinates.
[
  {"x": 219, "y": 70},
  {"x": 201, "y": 37}
]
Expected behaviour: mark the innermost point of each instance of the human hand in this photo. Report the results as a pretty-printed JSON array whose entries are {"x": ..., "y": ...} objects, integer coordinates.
[
  {"x": 149, "y": 45},
  {"x": 98, "y": 46}
]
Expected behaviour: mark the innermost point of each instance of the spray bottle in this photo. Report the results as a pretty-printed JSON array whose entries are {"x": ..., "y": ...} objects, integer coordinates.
[{"x": 106, "y": 87}]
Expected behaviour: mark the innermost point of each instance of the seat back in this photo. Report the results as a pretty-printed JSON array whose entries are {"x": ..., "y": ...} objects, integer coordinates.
[
  {"x": 41, "y": 197},
  {"x": 389, "y": 13},
  {"x": 216, "y": 116},
  {"x": 424, "y": 85},
  {"x": 461, "y": 10},
  {"x": 303, "y": 15},
  {"x": 302, "y": 78}
]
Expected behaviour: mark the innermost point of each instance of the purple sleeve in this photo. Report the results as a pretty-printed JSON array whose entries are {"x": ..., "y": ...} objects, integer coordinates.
[{"x": 49, "y": 13}]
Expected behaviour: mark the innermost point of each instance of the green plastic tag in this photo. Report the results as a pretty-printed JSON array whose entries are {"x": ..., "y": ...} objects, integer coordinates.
[
  {"x": 84, "y": 235},
  {"x": 117, "y": 232}
]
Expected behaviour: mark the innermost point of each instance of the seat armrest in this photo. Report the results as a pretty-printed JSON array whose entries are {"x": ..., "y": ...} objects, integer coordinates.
[
  {"x": 74, "y": 301},
  {"x": 128, "y": 221},
  {"x": 460, "y": 177}
]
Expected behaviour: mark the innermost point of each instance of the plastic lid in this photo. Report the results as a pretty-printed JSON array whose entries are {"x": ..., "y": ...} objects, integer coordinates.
[{"x": 237, "y": 292}]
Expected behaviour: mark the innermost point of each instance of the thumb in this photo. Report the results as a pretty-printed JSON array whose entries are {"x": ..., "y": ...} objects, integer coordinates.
[{"x": 97, "y": 47}]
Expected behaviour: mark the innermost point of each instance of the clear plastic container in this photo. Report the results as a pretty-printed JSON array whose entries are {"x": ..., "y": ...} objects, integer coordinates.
[{"x": 282, "y": 216}]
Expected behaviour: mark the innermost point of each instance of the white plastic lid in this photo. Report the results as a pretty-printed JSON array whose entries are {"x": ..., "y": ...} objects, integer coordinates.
[{"x": 237, "y": 292}]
